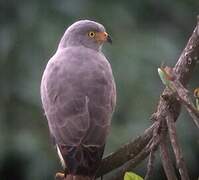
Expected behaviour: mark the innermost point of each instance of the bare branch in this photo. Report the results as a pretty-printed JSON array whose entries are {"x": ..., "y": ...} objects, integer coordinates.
[
  {"x": 132, "y": 163},
  {"x": 176, "y": 148},
  {"x": 150, "y": 163},
  {"x": 188, "y": 59},
  {"x": 155, "y": 141},
  {"x": 125, "y": 153},
  {"x": 165, "y": 157},
  {"x": 182, "y": 95},
  {"x": 168, "y": 77}
]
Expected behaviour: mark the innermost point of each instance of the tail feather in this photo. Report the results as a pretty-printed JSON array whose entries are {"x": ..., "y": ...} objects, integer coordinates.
[{"x": 82, "y": 161}]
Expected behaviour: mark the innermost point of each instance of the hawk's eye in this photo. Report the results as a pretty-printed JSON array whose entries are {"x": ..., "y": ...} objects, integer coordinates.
[{"x": 91, "y": 34}]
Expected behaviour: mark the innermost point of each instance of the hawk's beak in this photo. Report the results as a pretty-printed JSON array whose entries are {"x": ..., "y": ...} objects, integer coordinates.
[
  {"x": 102, "y": 37},
  {"x": 109, "y": 39}
]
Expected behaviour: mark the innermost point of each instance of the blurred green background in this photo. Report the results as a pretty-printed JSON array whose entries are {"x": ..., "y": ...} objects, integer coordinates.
[{"x": 145, "y": 35}]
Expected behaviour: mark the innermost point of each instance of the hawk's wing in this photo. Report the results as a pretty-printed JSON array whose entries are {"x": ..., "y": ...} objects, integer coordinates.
[{"x": 78, "y": 96}]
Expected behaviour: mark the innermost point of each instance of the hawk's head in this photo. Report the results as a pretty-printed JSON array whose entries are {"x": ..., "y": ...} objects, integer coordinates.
[{"x": 85, "y": 33}]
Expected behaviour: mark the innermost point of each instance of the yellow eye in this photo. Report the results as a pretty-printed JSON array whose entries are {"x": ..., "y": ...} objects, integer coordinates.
[{"x": 91, "y": 34}]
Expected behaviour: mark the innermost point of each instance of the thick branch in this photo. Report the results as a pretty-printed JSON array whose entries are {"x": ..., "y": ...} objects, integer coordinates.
[{"x": 188, "y": 59}]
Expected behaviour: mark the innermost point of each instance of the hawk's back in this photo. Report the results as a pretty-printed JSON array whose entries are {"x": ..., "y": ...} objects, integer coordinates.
[{"x": 78, "y": 96}]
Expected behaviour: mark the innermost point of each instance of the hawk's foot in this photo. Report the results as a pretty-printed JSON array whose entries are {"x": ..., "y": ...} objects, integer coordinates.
[{"x": 59, "y": 176}]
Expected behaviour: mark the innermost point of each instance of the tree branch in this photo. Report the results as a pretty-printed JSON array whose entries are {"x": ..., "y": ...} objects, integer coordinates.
[
  {"x": 131, "y": 163},
  {"x": 164, "y": 154},
  {"x": 182, "y": 95},
  {"x": 125, "y": 153},
  {"x": 157, "y": 134},
  {"x": 176, "y": 148},
  {"x": 183, "y": 70}
]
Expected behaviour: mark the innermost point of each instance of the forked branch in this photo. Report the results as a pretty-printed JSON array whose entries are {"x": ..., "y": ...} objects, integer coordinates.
[{"x": 168, "y": 106}]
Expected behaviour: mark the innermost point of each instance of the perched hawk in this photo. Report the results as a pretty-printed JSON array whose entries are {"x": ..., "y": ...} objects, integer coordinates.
[{"x": 78, "y": 96}]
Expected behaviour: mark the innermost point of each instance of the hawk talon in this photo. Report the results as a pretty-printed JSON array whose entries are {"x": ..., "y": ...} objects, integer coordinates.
[{"x": 60, "y": 176}]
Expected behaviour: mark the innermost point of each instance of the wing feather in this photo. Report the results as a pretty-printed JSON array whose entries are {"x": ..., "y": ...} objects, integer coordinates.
[{"x": 78, "y": 96}]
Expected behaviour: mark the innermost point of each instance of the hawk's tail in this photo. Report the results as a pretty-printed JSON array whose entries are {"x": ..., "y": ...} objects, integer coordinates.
[{"x": 82, "y": 162}]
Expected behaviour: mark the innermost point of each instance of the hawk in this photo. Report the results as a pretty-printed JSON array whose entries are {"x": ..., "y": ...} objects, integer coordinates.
[{"x": 78, "y": 96}]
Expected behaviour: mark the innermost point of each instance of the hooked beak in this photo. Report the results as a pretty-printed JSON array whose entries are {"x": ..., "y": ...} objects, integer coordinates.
[
  {"x": 102, "y": 37},
  {"x": 109, "y": 39}
]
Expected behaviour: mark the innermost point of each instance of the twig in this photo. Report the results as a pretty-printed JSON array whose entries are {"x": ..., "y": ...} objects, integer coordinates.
[
  {"x": 182, "y": 95},
  {"x": 155, "y": 141},
  {"x": 125, "y": 153},
  {"x": 119, "y": 174},
  {"x": 176, "y": 148},
  {"x": 168, "y": 77},
  {"x": 132, "y": 163},
  {"x": 165, "y": 157},
  {"x": 150, "y": 164}
]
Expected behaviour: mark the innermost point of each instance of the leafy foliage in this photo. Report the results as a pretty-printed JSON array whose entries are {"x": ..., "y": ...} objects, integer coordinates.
[{"x": 132, "y": 176}]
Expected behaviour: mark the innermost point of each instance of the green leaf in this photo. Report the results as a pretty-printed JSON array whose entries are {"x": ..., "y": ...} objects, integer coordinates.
[
  {"x": 132, "y": 176},
  {"x": 163, "y": 77}
]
